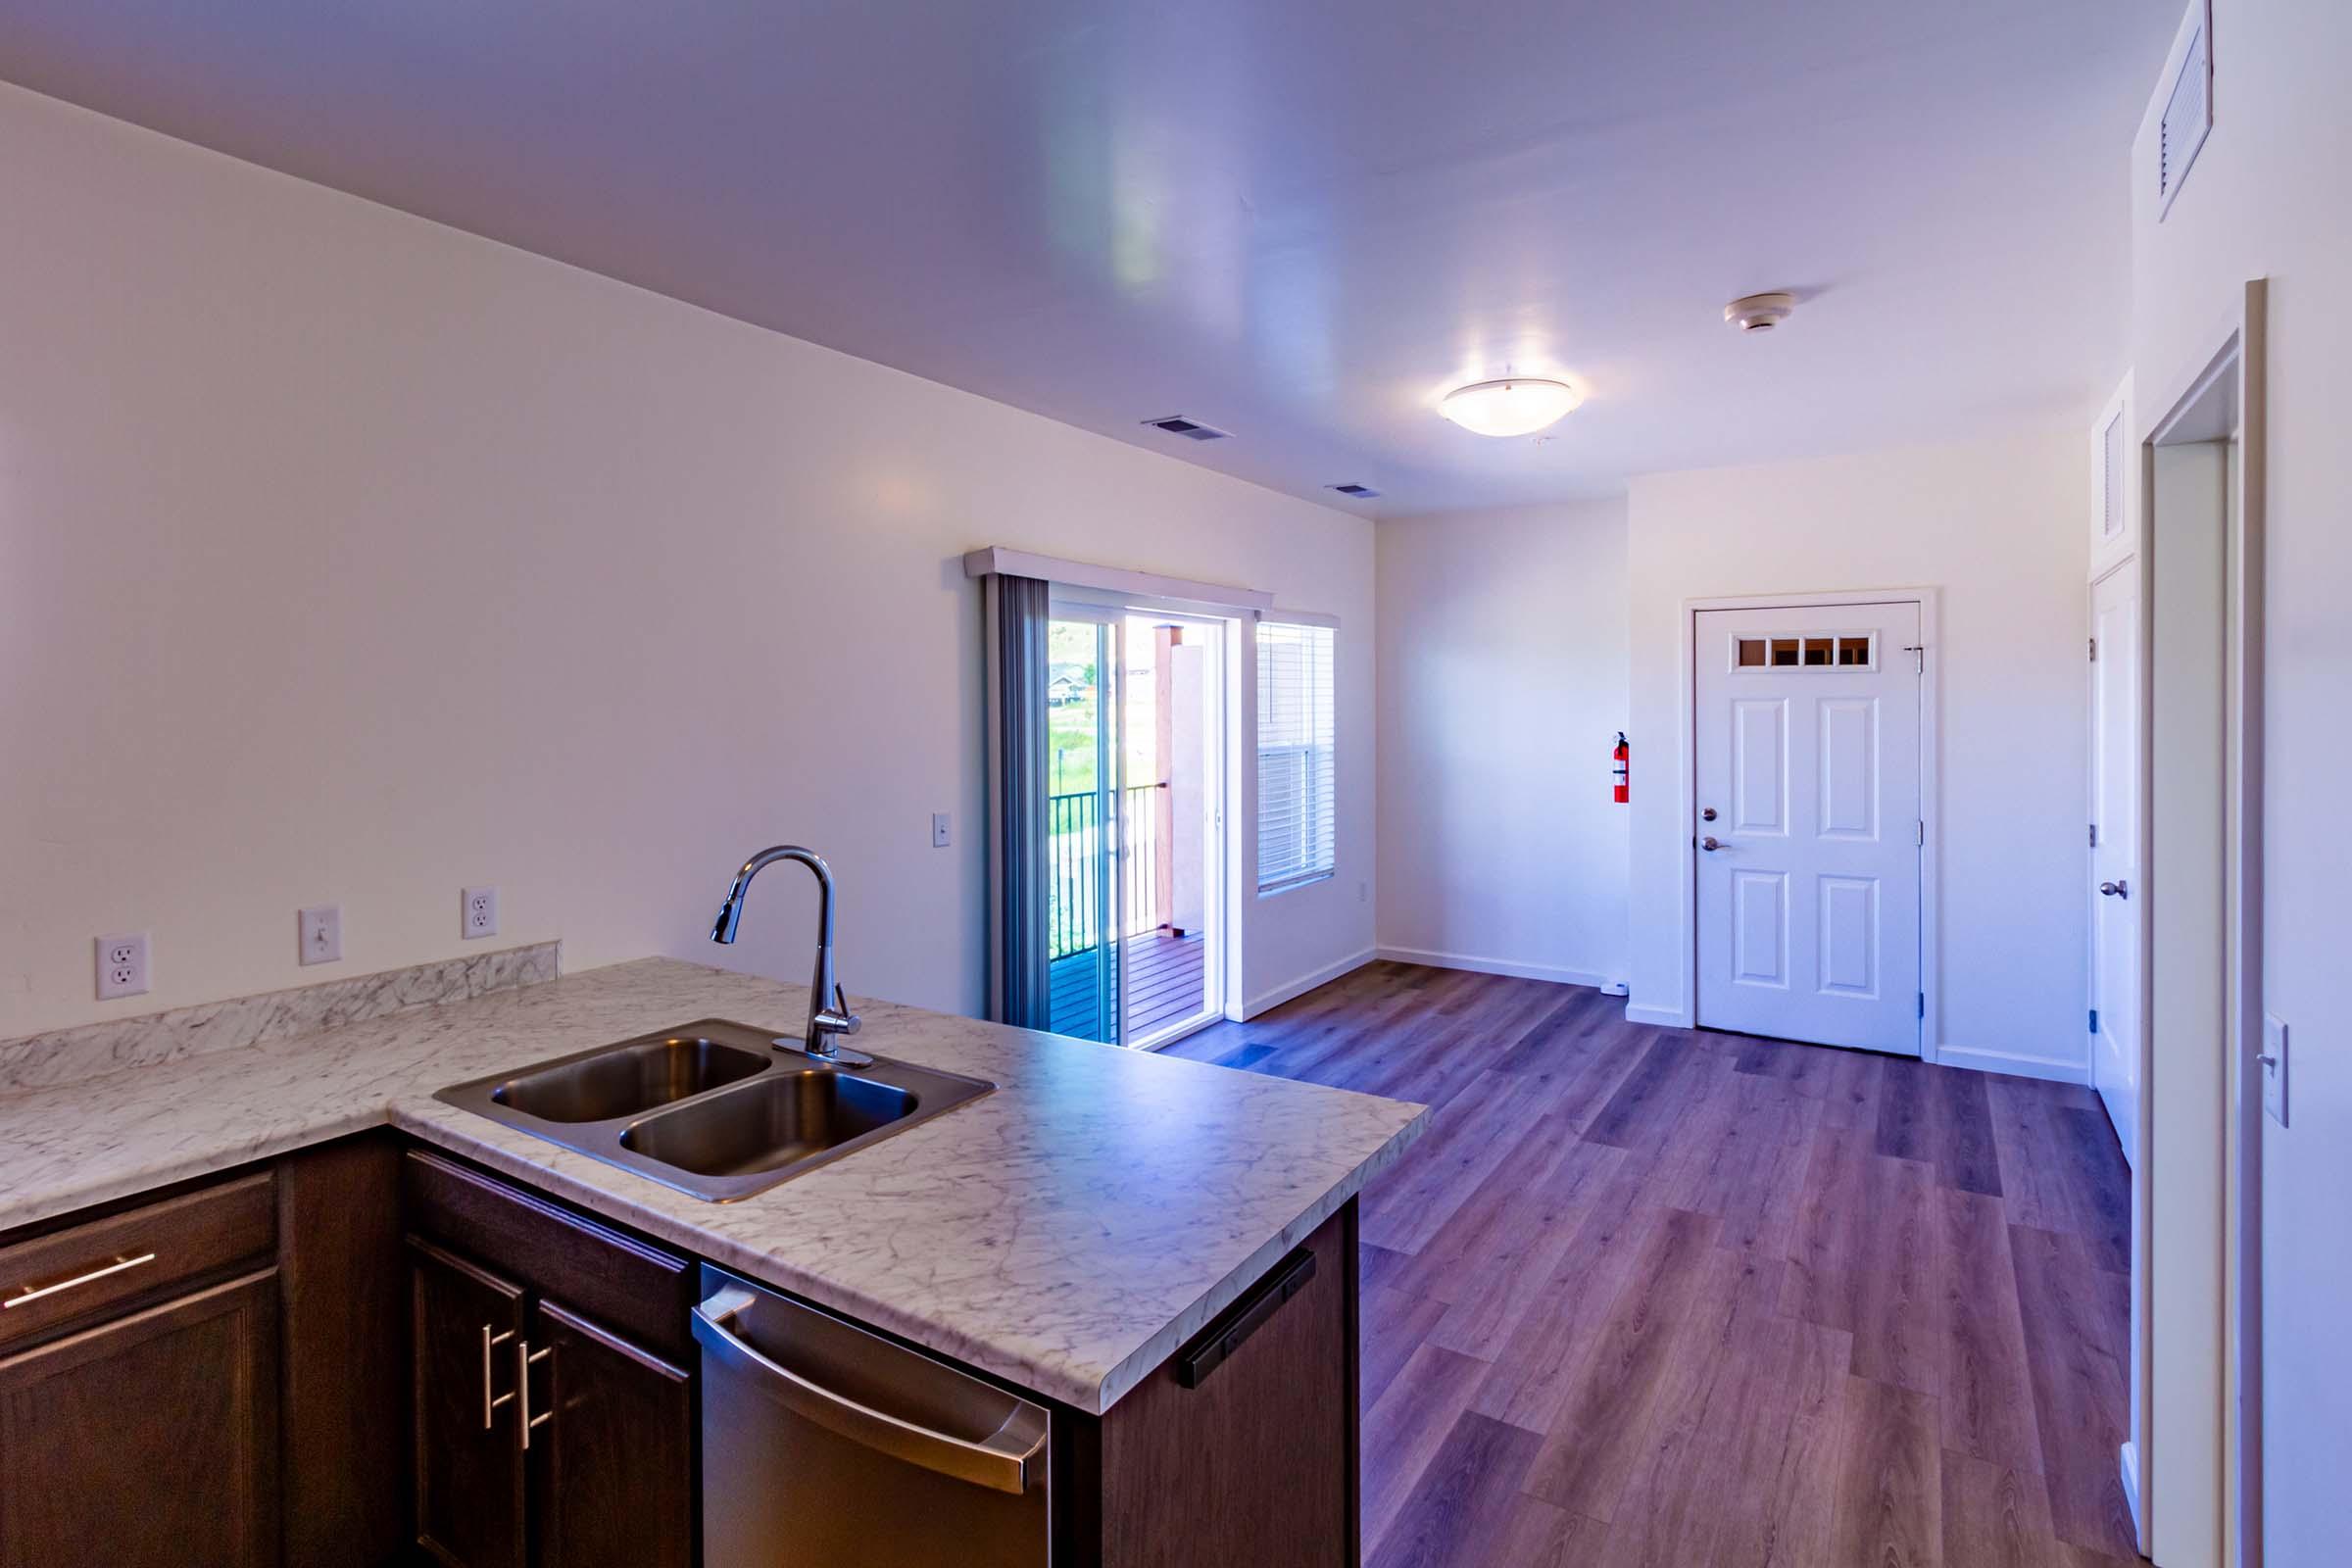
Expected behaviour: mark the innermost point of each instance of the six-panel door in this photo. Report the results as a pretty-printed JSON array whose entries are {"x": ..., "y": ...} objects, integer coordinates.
[{"x": 1807, "y": 823}]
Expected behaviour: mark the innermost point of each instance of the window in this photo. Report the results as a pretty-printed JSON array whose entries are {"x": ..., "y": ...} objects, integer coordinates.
[
  {"x": 1813, "y": 650},
  {"x": 1296, "y": 755}
]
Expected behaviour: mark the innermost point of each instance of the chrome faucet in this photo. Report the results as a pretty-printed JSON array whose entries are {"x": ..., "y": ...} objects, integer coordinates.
[{"x": 829, "y": 1012}]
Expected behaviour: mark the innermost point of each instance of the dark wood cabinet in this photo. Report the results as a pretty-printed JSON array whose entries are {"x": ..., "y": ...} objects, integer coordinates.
[
  {"x": 149, "y": 1439},
  {"x": 611, "y": 1456},
  {"x": 1243, "y": 1446},
  {"x": 549, "y": 1432},
  {"x": 370, "y": 1353},
  {"x": 465, "y": 1328}
]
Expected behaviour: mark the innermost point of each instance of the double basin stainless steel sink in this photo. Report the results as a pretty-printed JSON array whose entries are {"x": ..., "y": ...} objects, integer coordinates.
[{"x": 712, "y": 1107}]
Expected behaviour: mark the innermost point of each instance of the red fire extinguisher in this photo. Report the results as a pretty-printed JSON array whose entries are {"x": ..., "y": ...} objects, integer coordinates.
[{"x": 1624, "y": 767}]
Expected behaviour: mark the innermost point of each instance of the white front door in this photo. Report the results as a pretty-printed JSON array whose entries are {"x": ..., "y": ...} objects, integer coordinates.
[
  {"x": 1809, "y": 825},
  {"x": 2116, "y": 894}
]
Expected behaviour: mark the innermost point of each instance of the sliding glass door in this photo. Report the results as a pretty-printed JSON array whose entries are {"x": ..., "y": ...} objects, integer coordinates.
[
  {"x": 1082, "y": 823},
  {"x": 1134, "y": 836}
]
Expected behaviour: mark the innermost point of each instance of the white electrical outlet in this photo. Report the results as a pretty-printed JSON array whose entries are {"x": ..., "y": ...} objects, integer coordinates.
[
  {"x": 122, "y": 967},
  {"x": 479, "y": 913},
  {"x": 940, "y": 835},
  {"x": 319, "y": 930}
]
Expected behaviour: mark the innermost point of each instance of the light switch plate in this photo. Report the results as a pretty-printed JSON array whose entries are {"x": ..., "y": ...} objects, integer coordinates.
[
  {"x": 319, "y": 930},
  {"x": 2274, "y": 1071},
  {"x": 477, "y": 913},
  {"x": 122, "y": 965},
  {"x": 940, "y": 835}
]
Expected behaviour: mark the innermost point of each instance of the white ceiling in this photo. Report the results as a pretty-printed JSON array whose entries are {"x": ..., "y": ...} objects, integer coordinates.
[{"x": 1296, "y": 221}]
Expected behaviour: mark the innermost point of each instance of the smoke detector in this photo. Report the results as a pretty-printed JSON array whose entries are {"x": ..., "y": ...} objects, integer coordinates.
[{"x": 1759, "y": 313}]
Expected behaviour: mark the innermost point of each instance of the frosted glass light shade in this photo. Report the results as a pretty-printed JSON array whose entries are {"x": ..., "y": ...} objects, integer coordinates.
[{"x": 1515, "y": 406}]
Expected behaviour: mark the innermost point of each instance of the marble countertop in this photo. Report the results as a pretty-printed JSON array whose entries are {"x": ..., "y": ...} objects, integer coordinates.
[{"x": 1067, "y": 1232}]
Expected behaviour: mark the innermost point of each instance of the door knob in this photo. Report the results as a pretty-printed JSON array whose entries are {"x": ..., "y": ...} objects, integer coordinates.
[
  {"x": 1708, "y": 843},
  {"x": 2116, "y": 890},
  {"x": 1707, "y": 816}
]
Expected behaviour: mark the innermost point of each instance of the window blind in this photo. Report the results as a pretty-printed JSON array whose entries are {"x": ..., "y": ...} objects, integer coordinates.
[{"x": 1296, "y": 755}]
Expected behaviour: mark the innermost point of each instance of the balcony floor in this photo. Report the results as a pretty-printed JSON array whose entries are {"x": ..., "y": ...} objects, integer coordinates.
[{"x": 1165, "y": 983}]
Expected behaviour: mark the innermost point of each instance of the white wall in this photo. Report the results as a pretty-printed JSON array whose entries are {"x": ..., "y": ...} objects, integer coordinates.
[
  {"x": 1502, "y": 683},
  {"x": 1998, "y": 526},
  {"x": 345, "y": 557},
  {"x": 2268, "y": 196}
]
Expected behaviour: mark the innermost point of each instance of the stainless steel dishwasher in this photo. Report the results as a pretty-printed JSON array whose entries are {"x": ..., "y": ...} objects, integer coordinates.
[{"x": 825, "y": 1445}]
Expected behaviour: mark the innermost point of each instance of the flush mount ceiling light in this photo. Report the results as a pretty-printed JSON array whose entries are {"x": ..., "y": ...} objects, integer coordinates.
[{"x": 1517, "y": 405}]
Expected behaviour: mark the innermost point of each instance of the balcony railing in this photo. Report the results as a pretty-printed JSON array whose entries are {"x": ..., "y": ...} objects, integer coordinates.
[{"x": 1073, "y": 913}]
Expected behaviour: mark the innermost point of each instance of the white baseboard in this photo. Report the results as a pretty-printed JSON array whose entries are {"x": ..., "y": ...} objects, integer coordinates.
[
  {"x": 2001, "y": 1062},
  {"x": 1504, "y": 966},
  {"x": 1661, "y": 1017},
  {"x": 1276, "y": 996}
]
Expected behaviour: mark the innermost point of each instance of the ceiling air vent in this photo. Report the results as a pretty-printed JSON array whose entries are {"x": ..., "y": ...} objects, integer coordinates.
[
  {"x": 1358, "y": 492},
  {"x": 2187, "y": 113},
  {"x": 1190, "y": 429}
]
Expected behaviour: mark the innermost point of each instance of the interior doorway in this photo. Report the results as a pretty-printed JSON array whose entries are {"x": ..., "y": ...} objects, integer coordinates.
[
  {"x": 2193, "y": 1466},
  {"x": 1134, "y": 840}
]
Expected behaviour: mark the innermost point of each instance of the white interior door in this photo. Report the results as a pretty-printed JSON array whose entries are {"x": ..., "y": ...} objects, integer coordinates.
[
  {"x": 1807, "y": 775},
  {"x": 2115, "y": 875}
]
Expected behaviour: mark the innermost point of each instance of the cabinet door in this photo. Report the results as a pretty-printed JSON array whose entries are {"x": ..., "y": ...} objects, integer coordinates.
[
  {"x": 465, "y": 1328},
  {"x": 612, "y": 1449},
  {"x": 151, "y": 1439}
]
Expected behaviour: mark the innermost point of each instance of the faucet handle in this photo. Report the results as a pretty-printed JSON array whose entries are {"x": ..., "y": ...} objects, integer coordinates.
[{"x": 838, "y": 1019}]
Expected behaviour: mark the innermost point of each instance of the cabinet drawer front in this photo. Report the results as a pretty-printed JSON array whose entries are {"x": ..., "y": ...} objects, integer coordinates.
[
  {"x": 68, "y": 1274},
  {"x": 613, "y": 1279}
]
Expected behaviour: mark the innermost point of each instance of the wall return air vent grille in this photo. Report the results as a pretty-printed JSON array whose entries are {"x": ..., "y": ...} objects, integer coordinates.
[
  {"x": 2187, "y": 112},
  {"x": 1190, "y": 429},
  {"x": 1354, "y": 492}
]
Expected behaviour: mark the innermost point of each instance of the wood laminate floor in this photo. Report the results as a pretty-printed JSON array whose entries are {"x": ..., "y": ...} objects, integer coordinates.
[{"x": 1650, "y": 1296}]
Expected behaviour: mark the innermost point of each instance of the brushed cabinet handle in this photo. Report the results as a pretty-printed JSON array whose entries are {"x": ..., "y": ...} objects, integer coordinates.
[
  {"x": 524, "y": 1359},
  {"x": 34, "y": 1293},
  {"x": 489, "y": 1404}
]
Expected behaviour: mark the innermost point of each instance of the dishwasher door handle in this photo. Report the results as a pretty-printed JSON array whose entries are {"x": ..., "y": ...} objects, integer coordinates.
[{"x": 1010, "y": 1459}]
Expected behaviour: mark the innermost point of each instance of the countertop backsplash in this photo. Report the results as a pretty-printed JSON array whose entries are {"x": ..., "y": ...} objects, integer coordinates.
[{"x": 63, "y": 1056}]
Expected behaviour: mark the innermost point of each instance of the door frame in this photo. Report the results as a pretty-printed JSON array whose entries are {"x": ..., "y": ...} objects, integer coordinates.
[
  {"x": 2227, "y": 1335},
  {"x": 1930, "y": 603}
]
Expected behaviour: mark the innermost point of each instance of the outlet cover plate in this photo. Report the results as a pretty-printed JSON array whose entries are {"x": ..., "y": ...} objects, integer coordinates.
[
  {"x": 319, "y": 931},
  {"x": 122, "y": 965},
  {"x": 477, "y": 913},
  {"x": 2274, "y": 1071}
]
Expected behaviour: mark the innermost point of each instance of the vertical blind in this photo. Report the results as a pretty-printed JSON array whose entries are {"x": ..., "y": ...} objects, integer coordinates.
[{"x": 1296, "y": 755}]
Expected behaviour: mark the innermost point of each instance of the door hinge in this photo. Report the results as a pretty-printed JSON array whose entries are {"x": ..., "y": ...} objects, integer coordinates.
[
  {"x": 2094, "y": 1020},
  {"x": 2094, "y": 835},
  {"x": 1921, "y": 827},
  {"x": 1922, "y": 1003},
  {"x": 2094, "y": 650}
]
